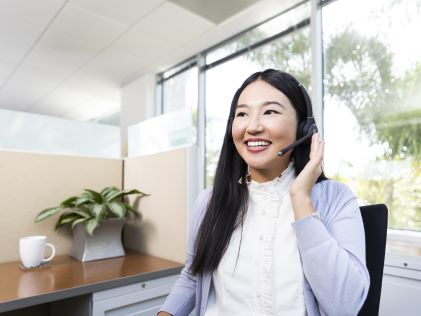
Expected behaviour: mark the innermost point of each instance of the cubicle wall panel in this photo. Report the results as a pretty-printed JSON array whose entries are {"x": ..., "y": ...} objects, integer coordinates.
[{"x": 168, "y": 178}]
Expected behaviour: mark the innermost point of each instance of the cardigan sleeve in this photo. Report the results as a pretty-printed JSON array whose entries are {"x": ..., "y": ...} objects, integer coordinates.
[
  {"x": 181, "y": 300},
  {"x": 333, "y": 251}
]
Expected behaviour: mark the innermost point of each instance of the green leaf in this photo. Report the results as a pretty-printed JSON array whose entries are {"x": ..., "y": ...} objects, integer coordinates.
[
  {"x": 80, "y": 220},
  {"x": 107, "y": 190},
  {"x": 84, "y": 214},
  {"x": 134, "y": 211},
  {"x": 113, "y": 191},
  {"x": 113, "y": 195},
  {"x": 118, "y": 209},
  {"x": 97, "y": 197},
  {"x": 99, "y": 211},
  {"x": 133, "y": 191},
  {"x": 83, "y": 200},
  {"x": 47, "y": 213},
  {"x": 66, "y": 219},
  {"x": 70, "y": 202},
  {"x": 91, "y": 225},
  {"x": 116, "y": 195}
]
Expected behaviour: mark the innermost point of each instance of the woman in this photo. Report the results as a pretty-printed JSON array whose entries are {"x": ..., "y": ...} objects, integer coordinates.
[{"x": 273, "y": 236}]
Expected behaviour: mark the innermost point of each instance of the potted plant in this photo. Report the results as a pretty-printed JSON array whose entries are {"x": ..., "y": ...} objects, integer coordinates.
[{"x": 97, "y": 219}]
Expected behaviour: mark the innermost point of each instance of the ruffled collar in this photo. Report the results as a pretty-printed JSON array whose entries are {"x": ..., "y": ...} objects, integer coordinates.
[{"x": 285, "y": 176}]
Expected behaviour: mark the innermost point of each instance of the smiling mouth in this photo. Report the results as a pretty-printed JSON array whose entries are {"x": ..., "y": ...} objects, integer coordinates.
[{"x": 259, "y": 143}]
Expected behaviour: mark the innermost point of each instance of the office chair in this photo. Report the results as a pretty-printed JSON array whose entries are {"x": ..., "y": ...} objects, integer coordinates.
[{"x": 375, "y": 226}]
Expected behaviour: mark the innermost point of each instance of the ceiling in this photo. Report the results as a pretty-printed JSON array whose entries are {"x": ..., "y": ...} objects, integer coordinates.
[{"x": 71, "y": 58}]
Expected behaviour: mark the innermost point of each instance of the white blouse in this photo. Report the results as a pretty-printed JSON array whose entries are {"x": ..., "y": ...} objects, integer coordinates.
[{"x": 267, "y": 278}]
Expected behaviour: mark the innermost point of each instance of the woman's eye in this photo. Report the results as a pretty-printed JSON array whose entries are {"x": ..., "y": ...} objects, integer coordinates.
[
  {"x": 271, "y": 112},
  {"x": 240, "y": 114}
]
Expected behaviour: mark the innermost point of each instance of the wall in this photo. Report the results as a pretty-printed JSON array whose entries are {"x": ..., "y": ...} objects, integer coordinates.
[
  {"x": 170, "y": 179},
  {"x": 31, "y": 182}
]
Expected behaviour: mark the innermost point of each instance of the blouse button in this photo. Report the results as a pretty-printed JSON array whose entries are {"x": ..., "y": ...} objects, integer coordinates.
[
  {"x": 260, "y": 237},
  {"x": 263, "y": 212}
]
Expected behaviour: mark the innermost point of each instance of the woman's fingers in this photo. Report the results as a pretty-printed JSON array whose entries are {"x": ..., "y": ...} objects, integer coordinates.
[
  {"x": 317, "y": 149},
  {"x": 320, "y": 148},
  {"x": 312, "y": 170}
]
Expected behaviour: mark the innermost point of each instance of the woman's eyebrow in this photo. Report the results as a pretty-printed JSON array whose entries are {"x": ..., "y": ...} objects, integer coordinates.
[
  {"x": 273, "y": 102},
  {"x": 263, "y": 104}
]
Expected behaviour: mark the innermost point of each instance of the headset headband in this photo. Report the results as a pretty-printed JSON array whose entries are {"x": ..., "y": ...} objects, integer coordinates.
[{"x": 305, "y": 94}]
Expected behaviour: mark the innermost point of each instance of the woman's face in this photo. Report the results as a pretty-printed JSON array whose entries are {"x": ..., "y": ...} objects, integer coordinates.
[{"x": 264, "y": 123}]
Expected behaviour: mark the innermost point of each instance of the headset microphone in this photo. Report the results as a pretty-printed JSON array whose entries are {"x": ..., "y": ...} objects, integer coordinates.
[
  {"x": 298, "y": 142},
  {"x": 305, "y": 129}
]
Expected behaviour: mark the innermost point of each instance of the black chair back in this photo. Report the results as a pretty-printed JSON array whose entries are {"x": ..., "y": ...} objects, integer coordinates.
[{"x": 375, "y": 226}]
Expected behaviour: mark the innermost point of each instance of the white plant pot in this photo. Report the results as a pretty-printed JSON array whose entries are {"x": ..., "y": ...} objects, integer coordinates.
[{"x": 105, "y": 242}]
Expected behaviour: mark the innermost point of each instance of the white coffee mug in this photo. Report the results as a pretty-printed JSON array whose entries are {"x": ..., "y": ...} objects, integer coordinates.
[{"x": 32, "y": 249}]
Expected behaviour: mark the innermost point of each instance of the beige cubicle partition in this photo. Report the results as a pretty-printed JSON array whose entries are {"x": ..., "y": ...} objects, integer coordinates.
[
  {"x": 169, "y": 178},
  {"x": 30, "y": 182}
]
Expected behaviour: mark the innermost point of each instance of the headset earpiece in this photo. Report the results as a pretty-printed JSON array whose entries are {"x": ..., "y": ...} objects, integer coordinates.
[{"x": 307, "y": 127}]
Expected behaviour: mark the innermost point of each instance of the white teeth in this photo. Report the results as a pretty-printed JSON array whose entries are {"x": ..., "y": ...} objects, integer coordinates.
[{"x": 258, "y": 143}]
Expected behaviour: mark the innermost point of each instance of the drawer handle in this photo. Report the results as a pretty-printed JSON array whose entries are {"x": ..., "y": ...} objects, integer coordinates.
[{"x": 143, "y": 285}]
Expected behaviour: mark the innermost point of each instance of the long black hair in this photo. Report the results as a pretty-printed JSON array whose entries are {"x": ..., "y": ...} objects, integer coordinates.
[{"x": 228, "y": 203}]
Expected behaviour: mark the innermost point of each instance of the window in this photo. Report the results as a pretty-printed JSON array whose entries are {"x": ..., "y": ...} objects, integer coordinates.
[
  {"x": 179, "y": 87},
  {"x": 372, "y": 107}
]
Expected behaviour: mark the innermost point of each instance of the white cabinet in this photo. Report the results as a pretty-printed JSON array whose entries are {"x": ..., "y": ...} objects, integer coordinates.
[
  {"x": 401, "y": 289},
  {"x": 140, "y": 299}
]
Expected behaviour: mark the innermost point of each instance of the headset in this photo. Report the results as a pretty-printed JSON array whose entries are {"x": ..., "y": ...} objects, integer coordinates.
[{"x": 306, "y": 128}]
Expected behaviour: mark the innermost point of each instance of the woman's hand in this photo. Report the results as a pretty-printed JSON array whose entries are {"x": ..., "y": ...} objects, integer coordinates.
[
  {"x": 300, "y": 189},
  {"x": 163, "y": 314}
]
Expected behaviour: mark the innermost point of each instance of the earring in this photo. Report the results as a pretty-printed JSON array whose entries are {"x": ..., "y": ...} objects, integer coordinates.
[{"x": 248, "y": 176}]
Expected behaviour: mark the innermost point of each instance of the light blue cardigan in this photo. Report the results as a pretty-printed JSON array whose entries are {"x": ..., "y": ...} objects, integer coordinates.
[{"x": 332, "y": 253}]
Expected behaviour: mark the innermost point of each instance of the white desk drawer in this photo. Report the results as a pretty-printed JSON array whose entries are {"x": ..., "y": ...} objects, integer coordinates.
[{"x": 140, "y": 299}]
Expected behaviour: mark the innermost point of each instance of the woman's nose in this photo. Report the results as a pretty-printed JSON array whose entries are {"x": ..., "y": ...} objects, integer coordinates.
[{"x": 254, "y": 125}]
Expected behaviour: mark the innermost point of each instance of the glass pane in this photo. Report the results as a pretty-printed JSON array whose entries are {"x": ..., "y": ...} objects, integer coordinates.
[
  {"x": 181, "y": 91},
  {"x": 23, "y": 131},
  {"x": 164, "y": 132},
  {"x": 372, "y": 103},
  {"x": 110, "y": 119},
  {"x": 266, "y": 30},
  {"x": 290, "y": 53}
]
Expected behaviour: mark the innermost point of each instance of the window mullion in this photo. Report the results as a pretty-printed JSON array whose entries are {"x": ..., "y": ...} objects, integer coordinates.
[{"x": 317, "y": 63}]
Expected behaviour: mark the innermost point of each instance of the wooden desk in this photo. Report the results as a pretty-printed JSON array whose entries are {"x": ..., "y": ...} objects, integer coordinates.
[{"x": 66, "y": 278}]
